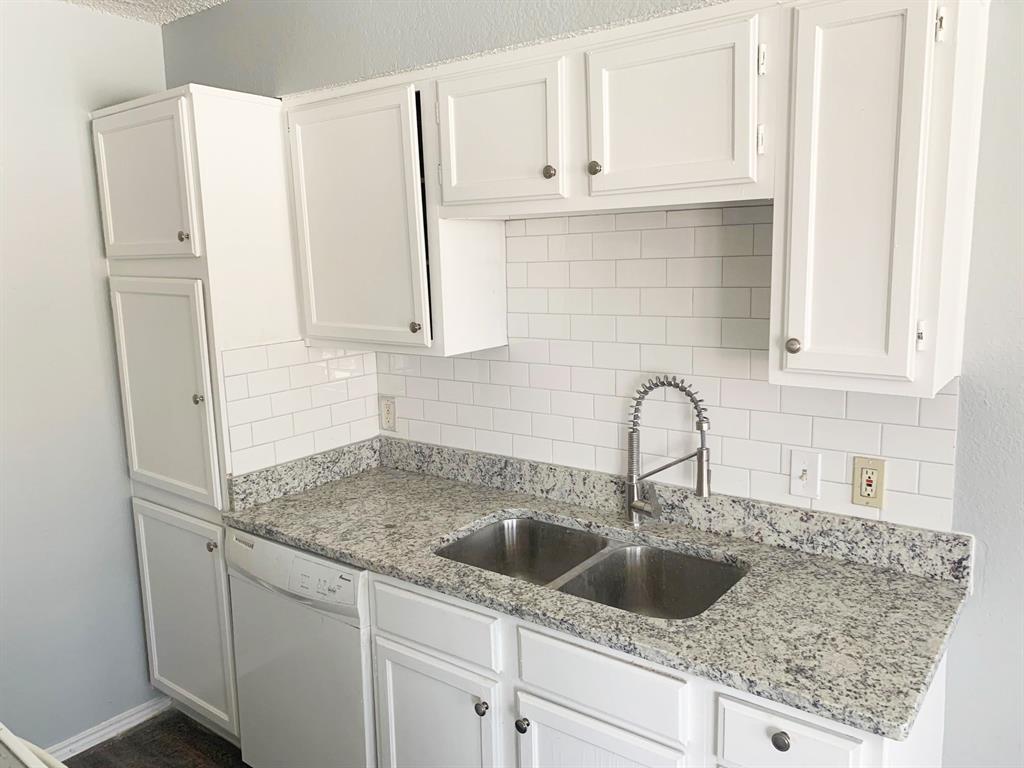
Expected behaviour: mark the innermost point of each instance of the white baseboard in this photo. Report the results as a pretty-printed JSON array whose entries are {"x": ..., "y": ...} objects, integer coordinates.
[{"x": 109, "y": 729}]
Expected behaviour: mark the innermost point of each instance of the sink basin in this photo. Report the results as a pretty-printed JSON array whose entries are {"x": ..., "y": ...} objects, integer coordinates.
[
  {"x": 527, "y": 549},
  {"x": 654, "y": 582}
]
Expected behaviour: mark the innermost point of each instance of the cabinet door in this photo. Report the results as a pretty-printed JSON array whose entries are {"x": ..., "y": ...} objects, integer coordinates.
[
  {"x": 160, "y": 331},
  {"x": 676, "y": 110},
  {"x": 502, "y": 134},
  {"x": 188, "y": 619},
  {"x": 356, "y": 171},
  {"x": 427, "y": 711},
  {"x": 856, "y": 156},
  {"x": 144, "y": 168},
  {"x": 557, "y": 737}
]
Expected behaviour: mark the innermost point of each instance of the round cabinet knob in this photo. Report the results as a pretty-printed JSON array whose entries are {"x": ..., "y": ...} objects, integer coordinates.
[
  {"x": 594, "y": 168},
  {"x": 414, "y": 327},
  {"x": 183, "y": 236},
  {"x": 549, "y": 171},
  {"x": 793, "y": 346},
  {"x": 522, "y": 725},
  {"x": 211, "y": 545},
  {"x": 197, "y": 399},
  {"x": 780, "y": 740},
  {"x": 481, "y": 708}
]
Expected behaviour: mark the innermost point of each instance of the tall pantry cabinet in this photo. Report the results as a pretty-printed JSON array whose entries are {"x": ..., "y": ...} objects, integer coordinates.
[{"x": 193, "y": 193}]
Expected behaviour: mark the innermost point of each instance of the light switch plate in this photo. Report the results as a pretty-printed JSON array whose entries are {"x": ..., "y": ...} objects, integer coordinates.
[
  {"x": 388, "y": 415},
  {"x": 805, "y": 474},
  {"x": 868, "y": 481}
]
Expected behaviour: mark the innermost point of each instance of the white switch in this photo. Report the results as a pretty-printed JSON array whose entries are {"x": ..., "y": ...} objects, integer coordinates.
[{"x": 805, "y": 474}]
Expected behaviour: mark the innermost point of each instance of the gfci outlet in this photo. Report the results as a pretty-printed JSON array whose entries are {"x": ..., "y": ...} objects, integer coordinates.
[
  {"x": 387, "y": 414},
  {"x": 868, "y": 481}
]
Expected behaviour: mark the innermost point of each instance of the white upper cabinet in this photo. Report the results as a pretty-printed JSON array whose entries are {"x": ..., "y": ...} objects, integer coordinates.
[
  {"x": 675, "y": 110},
  {"x": 855, "y": 210},
  {"x": 160, "y": 334},
  {"x": 359, "y": 215},
  {"x": 869, "y": 236},
  {"x": 502, "y": 133},
  {"x": 144, "y": 168}
]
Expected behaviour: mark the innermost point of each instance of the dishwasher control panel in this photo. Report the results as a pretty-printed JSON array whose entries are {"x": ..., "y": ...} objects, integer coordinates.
[{"x": 314, "y": 579}]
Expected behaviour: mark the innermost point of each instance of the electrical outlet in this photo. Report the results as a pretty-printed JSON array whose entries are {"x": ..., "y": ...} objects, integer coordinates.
[
  {"x": 388, "y": 415},
  {"x": 868, "y": 481},
  {"x": 805, "y": 474}
]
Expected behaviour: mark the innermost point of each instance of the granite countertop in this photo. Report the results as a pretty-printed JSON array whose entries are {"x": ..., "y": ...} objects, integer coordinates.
[{"x": 853, "y": 643}]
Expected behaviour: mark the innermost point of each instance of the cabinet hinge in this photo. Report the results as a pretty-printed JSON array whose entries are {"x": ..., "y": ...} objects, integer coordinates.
[
  {"x": 762, "y": 59},
  {"x": 760, "y": 139},
  {"x": 437, "y": 112},
  {"x": 919, "y": 336},
  {"x": 440, "y": 178},
  {"x": 940, "y": 25}
]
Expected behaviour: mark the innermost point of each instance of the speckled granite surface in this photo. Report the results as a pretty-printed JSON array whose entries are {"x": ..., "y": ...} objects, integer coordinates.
[
  {"x": 850, "y": 642},
  {"x": 915, "y": 551}
]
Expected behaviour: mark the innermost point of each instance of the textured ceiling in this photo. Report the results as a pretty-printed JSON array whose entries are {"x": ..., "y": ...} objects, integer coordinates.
[{"x": 153, "y": 11}]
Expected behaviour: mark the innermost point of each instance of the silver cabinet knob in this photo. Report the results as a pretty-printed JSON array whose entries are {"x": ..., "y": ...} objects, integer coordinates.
[
  {"x": 197, "y": 399},
  {"x": 793, "y": 346},
  {"x": 549, "y": 171},
  {"x": 414, "y": 327},
  {"x": 481, "y": 708},
  {"x": 211, "y": 545},
  {"x": 183, "y": 236},
  {"x": 594, "y": 168},
  {"x": 780, "y": 740},
  {"x": 522, "y": 725}
]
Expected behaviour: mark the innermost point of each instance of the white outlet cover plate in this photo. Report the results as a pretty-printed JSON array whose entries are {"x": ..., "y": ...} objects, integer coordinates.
[
  {"x": 861, "y": 463},
  {"x": 388, "y": 414},
  {"x": 805, "y": 474}
]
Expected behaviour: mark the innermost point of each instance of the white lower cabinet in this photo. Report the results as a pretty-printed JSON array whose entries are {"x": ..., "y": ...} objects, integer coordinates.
[
  {"x": 553, "y": 736},
  {"x": 554, "y": 701},
  {"x": 187, "y": 611},
  {"x": 432, "y": 713}
]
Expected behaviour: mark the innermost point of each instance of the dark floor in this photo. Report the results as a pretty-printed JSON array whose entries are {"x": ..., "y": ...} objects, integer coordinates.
[{"x": 169, "y": 740}]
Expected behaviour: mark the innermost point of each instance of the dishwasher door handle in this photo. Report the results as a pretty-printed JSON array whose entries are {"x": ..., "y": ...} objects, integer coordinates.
[{"x": 337, "y": 609}]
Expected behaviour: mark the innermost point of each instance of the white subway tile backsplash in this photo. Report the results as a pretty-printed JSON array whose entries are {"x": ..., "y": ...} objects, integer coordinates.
[
  {"x": 549, "y": 327},
  {"x": 616, "y": 301},
  {"x": 649, "y": 273},
  {"x": 666, "y": 244},
  {"x": 292, "y": 448},
  {"x": 617, "y": 245},
  {"x": 269, "y": 430},
  {"x": 698, "y": 273},
  {"x": 600, "y": 223},
  {"x": 920, "y": 443},
  {"x": 526, "y": 249},
  {"x": 732, "y": 240},
  {"x": 245, "y": 360},
  {"x": 286, "y": 353},
  {"x": 570, "y": 248},
  {"x": 643, "y": 330},
  {"x": 597, "y": 305},
  {"x": 554, "y": 226}
]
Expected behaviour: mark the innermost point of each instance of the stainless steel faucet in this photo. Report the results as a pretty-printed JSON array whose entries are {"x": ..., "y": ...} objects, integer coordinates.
[{"x": 635, "y": 503}]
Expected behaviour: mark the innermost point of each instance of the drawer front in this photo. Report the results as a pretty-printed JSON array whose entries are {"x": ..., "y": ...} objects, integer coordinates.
[
  {"x": 745, "y": 739},
  {"x": 642, "y": 700},
  {"x": 438, "y": 625}
]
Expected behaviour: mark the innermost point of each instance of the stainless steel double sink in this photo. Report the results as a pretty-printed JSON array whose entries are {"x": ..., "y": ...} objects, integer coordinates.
[{"x": 650, "y": 581}]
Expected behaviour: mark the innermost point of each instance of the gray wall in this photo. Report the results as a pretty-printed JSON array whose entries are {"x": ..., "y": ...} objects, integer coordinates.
[
  {"x": 985, "y": 694},
  {"x": 71, "y": 643},
  {"x": 274, "y": 47}
]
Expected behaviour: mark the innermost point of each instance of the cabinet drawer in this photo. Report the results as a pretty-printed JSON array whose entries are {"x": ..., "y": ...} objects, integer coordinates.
[
  {"x": 745, "y": 739},
  {"x": 451, "y": 629},
  {"x": 645, "y": 700}
]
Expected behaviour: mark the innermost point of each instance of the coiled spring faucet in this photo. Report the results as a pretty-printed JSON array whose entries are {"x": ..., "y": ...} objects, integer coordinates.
[{"x": 635, "y": 503}]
